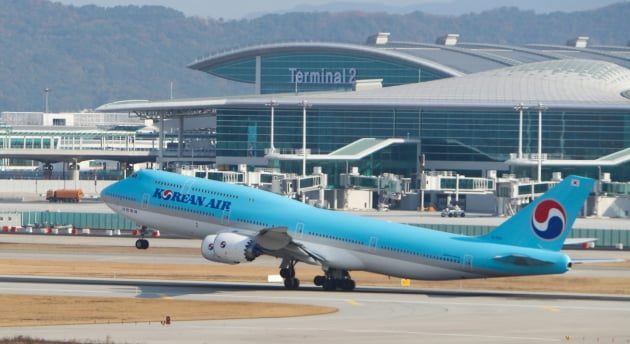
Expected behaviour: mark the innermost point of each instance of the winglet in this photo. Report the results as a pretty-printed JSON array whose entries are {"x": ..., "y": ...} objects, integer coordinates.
[{"x": 546, "y": 222}]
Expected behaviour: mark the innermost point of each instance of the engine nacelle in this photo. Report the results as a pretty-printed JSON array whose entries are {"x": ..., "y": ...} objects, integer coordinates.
[{"x": 229, "y": 248}]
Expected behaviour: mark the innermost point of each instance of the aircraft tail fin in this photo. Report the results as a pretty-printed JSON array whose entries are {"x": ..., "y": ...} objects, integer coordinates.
[{"x": 546, "y": 222}]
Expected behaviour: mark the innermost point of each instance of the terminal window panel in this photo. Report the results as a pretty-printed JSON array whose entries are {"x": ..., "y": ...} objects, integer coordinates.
[
  {"x": 327, "y": 130},
  {"x": 467, "y": 136},
  {"x": 241, "y": 70},
  {"x": 481, "y": 136},
  {"x": 445, "y": 135},
  {"x": 305, "y": 72}
]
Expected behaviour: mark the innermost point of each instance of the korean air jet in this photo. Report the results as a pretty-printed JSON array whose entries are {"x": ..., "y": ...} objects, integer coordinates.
[{"x": 237, "y": 224}]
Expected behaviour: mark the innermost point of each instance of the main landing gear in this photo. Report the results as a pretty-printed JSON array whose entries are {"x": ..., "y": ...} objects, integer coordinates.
[
  {"x": 335, "y": 279},
  {"x": 287, "y": 272},
  {"x": 142, "y": 243}
]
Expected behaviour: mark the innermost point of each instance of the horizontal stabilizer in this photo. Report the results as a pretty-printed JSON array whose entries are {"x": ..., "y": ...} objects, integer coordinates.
[
  {"x": 579, "y": 241},
  {"x": 521, "y": 260},
  {"x": 596, "y": 260}
]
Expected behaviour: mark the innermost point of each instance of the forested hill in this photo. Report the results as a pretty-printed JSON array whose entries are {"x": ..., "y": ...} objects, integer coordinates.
[{"x": 89, "y": 55}]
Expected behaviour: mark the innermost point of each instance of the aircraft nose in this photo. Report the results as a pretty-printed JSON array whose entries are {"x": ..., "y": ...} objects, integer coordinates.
[{"x": 109, "y": 191}]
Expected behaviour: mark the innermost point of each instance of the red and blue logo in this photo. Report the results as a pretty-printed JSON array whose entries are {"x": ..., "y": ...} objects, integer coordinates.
[
  {"x": 167, "y": 194},
  {"x": 549, "y": 220}
]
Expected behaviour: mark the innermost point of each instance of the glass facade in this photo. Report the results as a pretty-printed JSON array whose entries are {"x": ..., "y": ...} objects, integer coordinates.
[
  {"x": 445, "y": 135},
  {"x": 243, "y": 70},
  {"x": 472, "y": 135},
  {"x": 321, "y": 71}
]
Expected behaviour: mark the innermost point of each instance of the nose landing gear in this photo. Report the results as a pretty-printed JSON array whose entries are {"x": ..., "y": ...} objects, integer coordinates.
[{"x": 142, "y": 243}]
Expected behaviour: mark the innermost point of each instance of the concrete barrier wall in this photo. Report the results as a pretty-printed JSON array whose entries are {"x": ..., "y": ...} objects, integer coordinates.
[{"x": 25, "y": 188}]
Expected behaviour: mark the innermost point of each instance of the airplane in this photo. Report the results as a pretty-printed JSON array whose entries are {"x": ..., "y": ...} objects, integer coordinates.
[{"x": 237, "y": 224}]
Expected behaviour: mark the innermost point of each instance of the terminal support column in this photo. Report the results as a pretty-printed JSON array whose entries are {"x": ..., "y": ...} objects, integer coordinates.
[
  {"x": 180, "y": 138},
  {"x": 161, "y": 143}
]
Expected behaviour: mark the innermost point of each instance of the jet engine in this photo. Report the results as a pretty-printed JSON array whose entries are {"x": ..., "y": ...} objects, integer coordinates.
[{"x": 229, "y": 248}]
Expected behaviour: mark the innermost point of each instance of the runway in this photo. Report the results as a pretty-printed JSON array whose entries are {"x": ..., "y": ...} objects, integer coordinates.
[{"x": 370, "y": 315}]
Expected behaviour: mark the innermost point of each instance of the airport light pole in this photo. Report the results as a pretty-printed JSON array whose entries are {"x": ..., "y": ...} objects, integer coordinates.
[
  {"x": 46, "y": 92},
  {"x": 541, "y": 108},
  {"x": 161, "y": 143},
  {"x": 273, "y": 105},
  {"x": 75, "y": 172},
  {"x": 520, "y": 107},
  {"x": 304, "y": 105}
]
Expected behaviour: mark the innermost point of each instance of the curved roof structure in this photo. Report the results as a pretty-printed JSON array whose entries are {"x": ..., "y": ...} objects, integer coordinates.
[
  {"x": 573, "y": 83},
  {"x": 566, "y": 83},
  {"x": 295, "y": 47},
  {"x": 451, "y": 57}
]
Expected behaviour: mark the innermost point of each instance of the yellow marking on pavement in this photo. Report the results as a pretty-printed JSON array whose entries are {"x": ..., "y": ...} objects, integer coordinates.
[
  {"x": 354, "y": 303},
  {"x": 551, "y": 309}
]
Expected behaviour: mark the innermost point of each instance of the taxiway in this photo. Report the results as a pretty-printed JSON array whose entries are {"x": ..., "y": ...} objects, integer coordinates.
[{"x": 368, "y": 315}]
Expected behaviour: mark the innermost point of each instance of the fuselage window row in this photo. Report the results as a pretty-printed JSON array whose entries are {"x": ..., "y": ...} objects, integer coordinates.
[
  {"x": 252, "y": 222},
  {"x": 186, "y": 210},
  {"x": 423, "y": 255},
  {"x": 332, "y": 237},
  {"x": 214, "y": 193},
  {"x": 122, "y": 197},
  {"x": 170, "y": 185}
]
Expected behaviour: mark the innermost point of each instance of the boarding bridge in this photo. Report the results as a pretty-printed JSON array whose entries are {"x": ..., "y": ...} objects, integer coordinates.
[
  {"x": 441, "y": 190},
  {"x": 289, "y": 185},
  {"x": 390, "y": 188}
]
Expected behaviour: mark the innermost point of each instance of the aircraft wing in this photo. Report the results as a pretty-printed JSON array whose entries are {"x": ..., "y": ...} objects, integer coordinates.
[{"x": 276, "y": 241}]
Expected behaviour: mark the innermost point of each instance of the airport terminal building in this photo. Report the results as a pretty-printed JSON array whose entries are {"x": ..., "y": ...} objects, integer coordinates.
[{"x": 401, "y": 107}]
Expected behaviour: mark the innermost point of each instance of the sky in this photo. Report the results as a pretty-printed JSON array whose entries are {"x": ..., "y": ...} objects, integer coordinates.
[{"x": 237, "y": 9}]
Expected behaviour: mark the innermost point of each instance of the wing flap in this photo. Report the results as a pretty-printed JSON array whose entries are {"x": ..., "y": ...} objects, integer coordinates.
[
  {"x": 273, "y": 238},
  {"x": 276, "y": 241}
]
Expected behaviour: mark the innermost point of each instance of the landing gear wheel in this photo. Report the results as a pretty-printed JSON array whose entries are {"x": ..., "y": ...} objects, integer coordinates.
[
  {"x": 335, "y": 279},
  {"x": 347, "y": 284},
  {"x": 330, "y": 285},
  {"x": 142, "y": 243},
  {"x": 287, "y": 271},
  {"x": 319, "y": 280},
  {"x": 292, "y": 283}
]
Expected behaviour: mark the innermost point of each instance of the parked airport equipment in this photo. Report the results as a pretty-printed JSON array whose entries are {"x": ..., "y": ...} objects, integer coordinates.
[{"x": 64, "y": 195}]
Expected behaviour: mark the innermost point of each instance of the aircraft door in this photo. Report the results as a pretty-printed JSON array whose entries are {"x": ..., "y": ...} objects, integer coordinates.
[
  {"x": 225, "y": 218},
  {"x": 299, "y": 230},
  {"x": 373, "y": 243},
  {"x": 468, "y": 260},
  {"x": 145, "y": 201},
  {"x": 187, "y": 186}
]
